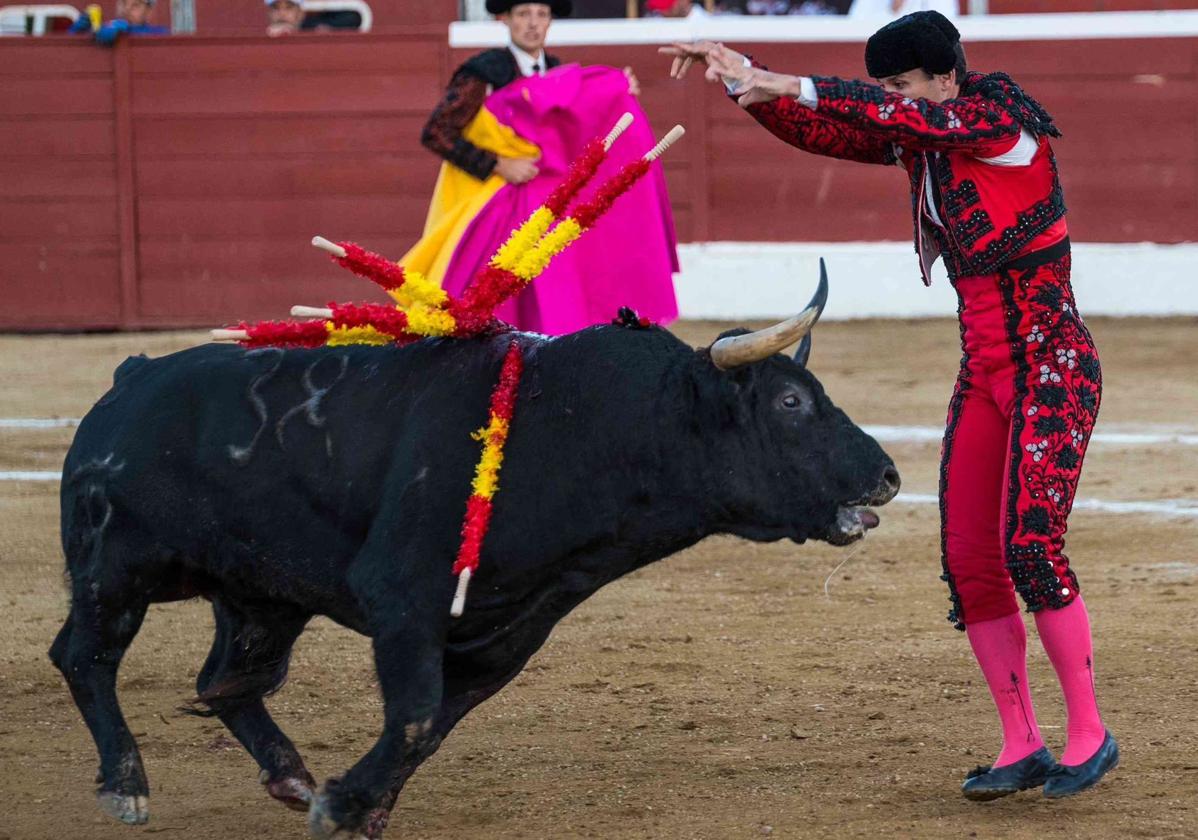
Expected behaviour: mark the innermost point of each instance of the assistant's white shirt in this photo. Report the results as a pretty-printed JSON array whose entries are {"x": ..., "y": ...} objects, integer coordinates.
[{"x": 524, "y": 61}]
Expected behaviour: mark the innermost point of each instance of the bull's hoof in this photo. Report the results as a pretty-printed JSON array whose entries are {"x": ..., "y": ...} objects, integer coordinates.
[
  {"x": 295, "y": 792},
  {"x": 376, "y": 822},
  {"x": 131, "y": 810},
  {"x": 322, "y": 826}
]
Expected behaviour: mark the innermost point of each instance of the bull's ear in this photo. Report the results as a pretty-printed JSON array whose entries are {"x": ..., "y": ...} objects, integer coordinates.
[{"x": 819, "y": 301}]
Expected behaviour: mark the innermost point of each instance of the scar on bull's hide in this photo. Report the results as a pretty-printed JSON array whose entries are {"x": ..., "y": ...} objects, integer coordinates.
[
  {"x": 97, "y": 500},
  {"x": 311, "y": 405},
  {"x": 97, "y": 465},
  {"x": 241, "y": 454},
  {"x": 417, "y": 730},
  {"x": 98, "y": 508}
]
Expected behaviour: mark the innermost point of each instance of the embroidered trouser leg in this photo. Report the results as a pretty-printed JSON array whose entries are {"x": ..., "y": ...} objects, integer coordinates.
[{"x": 1019, "y": 421}]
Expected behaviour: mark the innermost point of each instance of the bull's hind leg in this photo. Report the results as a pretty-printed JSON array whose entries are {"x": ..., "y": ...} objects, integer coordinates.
[
  {"x": 248, "y": 661},
  {"x": 105, "y": 616}
]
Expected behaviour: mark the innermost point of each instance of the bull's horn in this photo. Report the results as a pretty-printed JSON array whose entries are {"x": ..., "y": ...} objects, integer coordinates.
[
  {"x": 735, "y": 350},
  {"x": 821, "y": 297}
]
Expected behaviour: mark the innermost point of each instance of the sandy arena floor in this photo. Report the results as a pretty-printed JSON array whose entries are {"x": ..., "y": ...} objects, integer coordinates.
[{"x": 720, "y": 694}]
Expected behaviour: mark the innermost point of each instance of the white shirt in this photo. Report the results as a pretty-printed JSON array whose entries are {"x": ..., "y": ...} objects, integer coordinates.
[{"x": 524, "y": 61}]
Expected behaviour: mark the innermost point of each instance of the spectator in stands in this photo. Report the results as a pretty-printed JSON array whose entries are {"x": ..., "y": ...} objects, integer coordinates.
[
  {"x": 284, "y": 17},
  {"x": 132, "y": 18},
  {"x": 898, "y": 8}
]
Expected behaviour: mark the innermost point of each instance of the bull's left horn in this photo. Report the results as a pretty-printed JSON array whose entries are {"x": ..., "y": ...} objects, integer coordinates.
[{"x": 736, "y": 350}]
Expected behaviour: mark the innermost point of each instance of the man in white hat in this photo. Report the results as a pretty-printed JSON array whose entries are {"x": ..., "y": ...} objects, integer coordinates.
[{"x": 284, "y": 17}]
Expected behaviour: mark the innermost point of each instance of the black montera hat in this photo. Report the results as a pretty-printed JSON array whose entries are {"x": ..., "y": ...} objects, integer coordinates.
[
  {"x": 559, "y": 8},
  {"x": 919, "y": 40}
]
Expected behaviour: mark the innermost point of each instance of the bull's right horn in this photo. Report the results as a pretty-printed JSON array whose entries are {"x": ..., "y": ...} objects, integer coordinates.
[{"x": 736, "y": 350}]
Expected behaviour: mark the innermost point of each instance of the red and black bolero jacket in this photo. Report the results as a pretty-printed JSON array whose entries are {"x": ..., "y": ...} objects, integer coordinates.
[
  {"x": 469, "y": 88},
  {"x": 991, "y": 211}
]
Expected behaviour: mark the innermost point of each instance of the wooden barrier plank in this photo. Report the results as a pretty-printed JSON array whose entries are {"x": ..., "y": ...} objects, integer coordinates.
[
  {"x": 252, "y": 279},
  {"x": 1093, "y": 130},
  {"x": 57, "y": 177},
  {"x": 27, "y": 97},
  {"x": 57, "y": 137},
  {"x": 808, "y": 200},
  {"x": 684, "y": 224},
  {"x": 287, "y": 57},
  {"x": 57, "y": 219},
  {"x": 62, "y": 283},
  {"x": 361, "y": 218},
  {"x": 314, "y": 92},
  {"x": 297, "y": 176},
  {"x": 1149, "y": 202},
  {"x": 1103, "y": 58},
  {"x": 678, "y": 174},
  {"x": 161, "y": 137},
  {"x": 52, "y": 57}
]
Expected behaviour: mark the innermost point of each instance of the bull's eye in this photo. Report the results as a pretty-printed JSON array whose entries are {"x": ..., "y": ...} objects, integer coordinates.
[{"x": 793, "y": 400}]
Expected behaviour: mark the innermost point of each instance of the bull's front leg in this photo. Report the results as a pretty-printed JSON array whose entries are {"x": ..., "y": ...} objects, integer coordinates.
[{"x": 409, "y": 642}]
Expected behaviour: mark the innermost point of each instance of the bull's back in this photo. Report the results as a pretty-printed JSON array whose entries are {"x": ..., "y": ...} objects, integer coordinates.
[{"x": 233, "y": 458}]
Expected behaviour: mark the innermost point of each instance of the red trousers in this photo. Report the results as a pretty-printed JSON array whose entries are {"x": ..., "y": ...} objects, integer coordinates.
[{"x": 1019, "y": 420}]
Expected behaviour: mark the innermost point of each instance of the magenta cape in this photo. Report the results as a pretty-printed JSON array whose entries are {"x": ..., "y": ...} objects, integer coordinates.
[{"x": 628, "y": 257}]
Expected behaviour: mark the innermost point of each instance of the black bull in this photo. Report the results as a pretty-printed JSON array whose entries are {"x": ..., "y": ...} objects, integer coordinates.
[{"x": 285, "y": 484}]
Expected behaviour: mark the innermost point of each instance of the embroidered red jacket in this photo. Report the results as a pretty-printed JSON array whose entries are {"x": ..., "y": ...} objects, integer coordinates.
[{"x": 989, "y": 211}]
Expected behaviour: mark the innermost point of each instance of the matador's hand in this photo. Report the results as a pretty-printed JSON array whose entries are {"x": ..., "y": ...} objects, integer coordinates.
[
  {"x": 721, "y": 61},
  {"x": 750, "y": 84}
]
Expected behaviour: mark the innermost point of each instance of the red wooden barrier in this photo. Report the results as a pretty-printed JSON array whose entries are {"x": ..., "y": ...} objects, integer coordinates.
[{"x": 176, "y": 182}]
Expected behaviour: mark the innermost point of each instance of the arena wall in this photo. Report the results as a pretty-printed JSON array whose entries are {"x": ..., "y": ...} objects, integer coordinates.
[{"x": 176, "y": 182}]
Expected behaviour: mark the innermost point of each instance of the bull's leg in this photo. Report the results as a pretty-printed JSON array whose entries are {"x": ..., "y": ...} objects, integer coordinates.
[
  {"x": 453, "y": 709},
  {"x": 105, "y": 616},
  {"x": 408, "y": 661},
  {"x": 249, "y": 660}
]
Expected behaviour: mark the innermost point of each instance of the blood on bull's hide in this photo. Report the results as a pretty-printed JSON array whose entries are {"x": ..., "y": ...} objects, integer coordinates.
[{"x": 283, "y": 484}]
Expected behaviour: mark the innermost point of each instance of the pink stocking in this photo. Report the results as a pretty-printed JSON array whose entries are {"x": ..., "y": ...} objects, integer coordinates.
[
  {"x": 1000, "y": 646},
  {"x": 1065, "y": 634}
]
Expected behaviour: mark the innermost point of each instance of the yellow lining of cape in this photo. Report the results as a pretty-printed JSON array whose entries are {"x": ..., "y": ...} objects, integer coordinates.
[{"x": 459, "y": 197}]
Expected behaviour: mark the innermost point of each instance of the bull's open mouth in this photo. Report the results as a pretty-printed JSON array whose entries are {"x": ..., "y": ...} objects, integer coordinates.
[{"x": 852, "y": 521}]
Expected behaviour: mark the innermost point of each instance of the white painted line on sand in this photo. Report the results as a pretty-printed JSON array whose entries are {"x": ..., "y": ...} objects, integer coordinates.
[
  {"x": 933, "y": 434},
  {"x": 1182, "y": 508},
  {"x": 30, "y": 475},
  {"x": 38, "y": 422},
  {"x": 1173, "y": 508},
  {"x": 1137, "y": 436}
]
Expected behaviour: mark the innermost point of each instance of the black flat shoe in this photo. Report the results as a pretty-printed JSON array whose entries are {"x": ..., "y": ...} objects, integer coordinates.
[
  {"x": 1068, "y": 779},
  {"x": 986, "y": 783}
]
